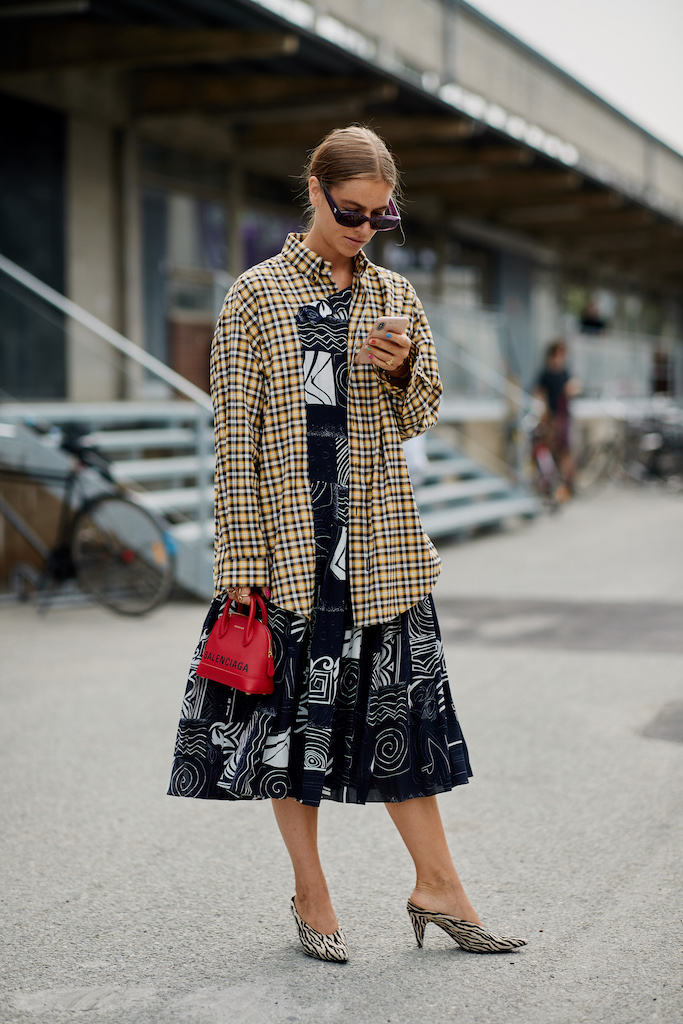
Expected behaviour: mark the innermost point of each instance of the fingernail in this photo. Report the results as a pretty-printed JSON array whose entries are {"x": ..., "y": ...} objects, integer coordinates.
[
  {"x": 388, "y": 334},
  {"x": 371, "y": 356},
  {"x": 266, "y": 591}
]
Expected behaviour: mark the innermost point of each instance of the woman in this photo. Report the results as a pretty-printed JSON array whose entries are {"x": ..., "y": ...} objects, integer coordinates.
[
  {"x": 314, "y": 507},
  {"x": 556, "y": 388}
]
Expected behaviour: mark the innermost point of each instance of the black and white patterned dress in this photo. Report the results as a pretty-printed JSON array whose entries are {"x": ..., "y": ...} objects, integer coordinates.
[{"x": 357, "y": 714}]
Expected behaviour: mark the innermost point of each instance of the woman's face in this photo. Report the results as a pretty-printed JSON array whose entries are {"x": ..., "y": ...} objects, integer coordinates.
[
  {"x": 360, "y": 195},
  {"x": 558, "y": 360}
]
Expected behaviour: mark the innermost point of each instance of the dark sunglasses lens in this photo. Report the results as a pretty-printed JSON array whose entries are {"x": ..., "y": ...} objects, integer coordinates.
[
  {"x": 349, "y": 219},
  {"x": 384, "y": 223}
]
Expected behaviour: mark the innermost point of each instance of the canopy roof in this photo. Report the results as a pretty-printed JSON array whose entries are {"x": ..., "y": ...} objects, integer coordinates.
[{"x": 265, "y": 89}]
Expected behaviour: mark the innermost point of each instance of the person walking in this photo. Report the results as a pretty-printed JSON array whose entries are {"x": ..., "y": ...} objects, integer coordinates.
[
  {"x": 315, "y": 511},
  {"x": 556, "y": 388}
]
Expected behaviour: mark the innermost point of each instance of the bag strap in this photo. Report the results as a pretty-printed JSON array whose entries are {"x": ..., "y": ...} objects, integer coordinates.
[{"x": 249, "y": 632}]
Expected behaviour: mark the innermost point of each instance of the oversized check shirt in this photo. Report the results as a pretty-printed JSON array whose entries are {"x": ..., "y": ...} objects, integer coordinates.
[{"x": 264, "y": 518}]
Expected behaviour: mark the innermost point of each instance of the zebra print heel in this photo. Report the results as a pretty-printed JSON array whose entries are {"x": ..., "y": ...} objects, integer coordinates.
[
  {"x": 469, "y": 936},
  {"x": 316, "y": 944}
]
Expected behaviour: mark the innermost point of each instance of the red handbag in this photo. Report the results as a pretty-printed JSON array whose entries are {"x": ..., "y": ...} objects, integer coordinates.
[{"x": 239, "y": 650}]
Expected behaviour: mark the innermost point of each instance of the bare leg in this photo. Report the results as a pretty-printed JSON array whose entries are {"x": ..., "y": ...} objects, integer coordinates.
[
  {"x": 298, "y": 826},
  {"x": 438, "y": 887},
  {"x": 567, "y": 470}
]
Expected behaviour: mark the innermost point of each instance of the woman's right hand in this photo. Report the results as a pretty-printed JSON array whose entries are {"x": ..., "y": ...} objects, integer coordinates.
[{"x": 242, "y": 593}]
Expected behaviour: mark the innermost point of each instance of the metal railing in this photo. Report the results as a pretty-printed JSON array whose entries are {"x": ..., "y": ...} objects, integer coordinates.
[
  {"x": 626, "y": 365},
  {"x": 106, "y": 333}
]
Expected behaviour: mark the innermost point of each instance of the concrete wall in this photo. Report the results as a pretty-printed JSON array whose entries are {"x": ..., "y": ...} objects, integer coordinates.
[
  {"x": 487, "y": 63},
  {"x": 411, "y": 28},
  {"x": 427, "y": 36}
]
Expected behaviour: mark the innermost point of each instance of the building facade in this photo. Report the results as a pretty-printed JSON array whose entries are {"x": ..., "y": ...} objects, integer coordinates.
[{"x": 148, "y": 159}]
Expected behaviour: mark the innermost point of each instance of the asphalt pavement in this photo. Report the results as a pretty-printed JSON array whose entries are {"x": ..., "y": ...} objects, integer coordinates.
[{"x": 121, "y": 905}]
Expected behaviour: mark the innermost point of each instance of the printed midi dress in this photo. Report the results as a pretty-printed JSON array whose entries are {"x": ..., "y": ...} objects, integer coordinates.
[{"x": 358, "y": 713}]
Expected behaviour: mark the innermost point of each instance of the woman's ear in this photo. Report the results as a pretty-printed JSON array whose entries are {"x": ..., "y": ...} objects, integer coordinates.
[{"x": 314, "y": 190}]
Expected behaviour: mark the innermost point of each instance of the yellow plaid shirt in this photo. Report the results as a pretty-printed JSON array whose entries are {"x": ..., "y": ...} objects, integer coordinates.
[{"x": 264, "y": 519}]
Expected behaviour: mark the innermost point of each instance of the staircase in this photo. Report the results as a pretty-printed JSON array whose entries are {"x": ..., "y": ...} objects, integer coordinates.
[{"x": 457, "y": 496}]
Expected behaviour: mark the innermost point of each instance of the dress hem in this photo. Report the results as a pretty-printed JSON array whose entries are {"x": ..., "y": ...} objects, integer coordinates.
[{"x": 336, "y": 797}]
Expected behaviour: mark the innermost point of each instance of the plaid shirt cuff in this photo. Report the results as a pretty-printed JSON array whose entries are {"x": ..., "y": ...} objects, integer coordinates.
[{"x": 250, "y": 572}]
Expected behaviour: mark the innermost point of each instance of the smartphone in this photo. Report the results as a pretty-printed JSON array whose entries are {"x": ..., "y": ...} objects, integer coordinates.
[{"x": 382, "y": 326}]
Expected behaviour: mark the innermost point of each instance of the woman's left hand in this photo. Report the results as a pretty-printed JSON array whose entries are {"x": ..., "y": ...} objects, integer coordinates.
[{"x": 391, "y": 354}]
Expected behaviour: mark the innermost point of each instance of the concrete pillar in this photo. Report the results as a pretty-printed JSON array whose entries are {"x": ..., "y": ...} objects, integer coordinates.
[
  {"x": 440, "y": 247},
  {"x": 513, "y": 296},
  {"x": 547, "y": 320},
  {"x": 131, "y": 271},
  {"x": 92, "y": 258}
]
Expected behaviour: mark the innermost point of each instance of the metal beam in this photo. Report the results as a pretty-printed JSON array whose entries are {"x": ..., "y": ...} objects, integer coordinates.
[
  {"x": 588, "y": 223},
  {"x": 660, "y": 262},
  {"x": 568, "y": 207},
  {"x": 503, "y": 188},
  {"x": 331, "y": 110},
  {"x": 394, "y": 129},
  {"x": 44, "y": 9},
  {"x": 168, "y": 92},
  {"x": 436, "y": 156},
  {"x": 420, "y": 177},
  {"x": 659, "y": 238},
  {"x": 61, "y": 47}
]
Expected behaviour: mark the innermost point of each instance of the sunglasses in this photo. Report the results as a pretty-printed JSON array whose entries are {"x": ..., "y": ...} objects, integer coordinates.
[{"x": 353, "y": 219}]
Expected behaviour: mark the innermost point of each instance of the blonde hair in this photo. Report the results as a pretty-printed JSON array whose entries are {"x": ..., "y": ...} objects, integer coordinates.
[{"x": 353, "y": 152}]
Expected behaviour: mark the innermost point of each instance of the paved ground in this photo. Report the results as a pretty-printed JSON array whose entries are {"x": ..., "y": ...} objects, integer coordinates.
[{"x": 123, "y": 906}]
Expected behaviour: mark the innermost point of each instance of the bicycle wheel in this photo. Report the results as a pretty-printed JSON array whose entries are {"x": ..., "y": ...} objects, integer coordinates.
[
  {"x": 122, "y": 555},
  {"x": 592, "y": 468}
]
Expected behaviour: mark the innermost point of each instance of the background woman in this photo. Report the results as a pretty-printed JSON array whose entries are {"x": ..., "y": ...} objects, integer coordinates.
[
  {"x": 314, "y": 506},
  {"x": 556, "y": 388}
]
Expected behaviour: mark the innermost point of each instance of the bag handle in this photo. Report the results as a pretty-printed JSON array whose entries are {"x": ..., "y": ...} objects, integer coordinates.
[
  {"x": 254, "y": 600},
  {"x": 249, "y": 632}
]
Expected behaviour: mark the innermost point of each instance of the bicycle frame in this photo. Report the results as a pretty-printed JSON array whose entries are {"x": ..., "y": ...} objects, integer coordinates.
[
  {"x": 70, "y": 481},
  {"x": 91, "y": 546}
]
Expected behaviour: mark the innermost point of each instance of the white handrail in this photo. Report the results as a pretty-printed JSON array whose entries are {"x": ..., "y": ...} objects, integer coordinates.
[
  {"x": 108, "y": 334},
  {"x": 479, "y": 369}
]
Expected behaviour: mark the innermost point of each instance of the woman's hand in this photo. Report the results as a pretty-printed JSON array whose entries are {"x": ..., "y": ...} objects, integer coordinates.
[
  {"x": 391, "y": 354},
  {"x": 242, "y": 593}
]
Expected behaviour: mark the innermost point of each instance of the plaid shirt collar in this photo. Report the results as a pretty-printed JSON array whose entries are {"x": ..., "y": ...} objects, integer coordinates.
[{"x": 313, "y": 266}]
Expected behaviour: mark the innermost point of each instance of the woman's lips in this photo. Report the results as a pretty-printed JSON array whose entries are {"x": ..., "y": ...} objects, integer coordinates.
[{"x": 355, "y": 241}]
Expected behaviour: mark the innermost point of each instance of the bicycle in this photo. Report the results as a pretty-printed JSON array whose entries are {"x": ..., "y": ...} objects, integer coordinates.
[
  {"x": 115, "y": 550},
  {"x": 545, "y": 476},
  {"x": 655, "y": 449},
  {"x": 639, "y": 451},
  {"x": 601, "y": 462}
]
